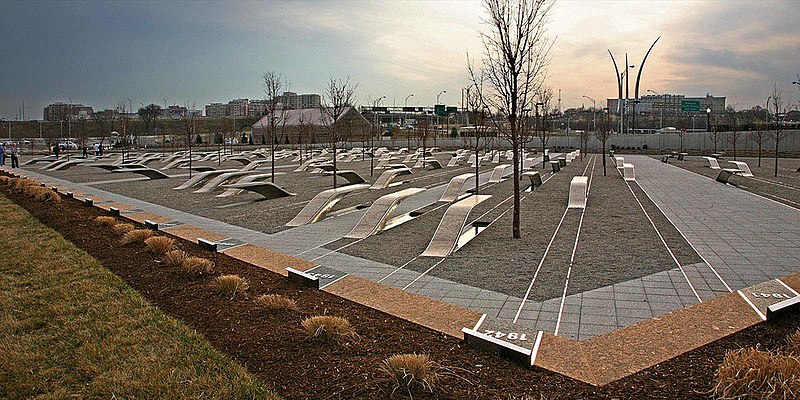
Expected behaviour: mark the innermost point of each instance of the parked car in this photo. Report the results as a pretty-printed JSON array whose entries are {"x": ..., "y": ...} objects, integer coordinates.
[{"x": 67, "y": 145}]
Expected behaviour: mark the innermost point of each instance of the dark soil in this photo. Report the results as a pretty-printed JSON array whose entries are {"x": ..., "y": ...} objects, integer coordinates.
[{"x": 272, "y": 346}]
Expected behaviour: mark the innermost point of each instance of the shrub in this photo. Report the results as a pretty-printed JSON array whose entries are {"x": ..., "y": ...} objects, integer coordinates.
[
  {"x": 159, "y": 245},
  {"x": 793, "y": 347},
  {"x": 328, "y": 327},
  {"x": 4, "y": 180},
  {"x": 230, "y": 285},
  {"x": 135, "y": 236},
  {"x": 410, "y": 372},
  {"x": 106, "y": 221},
  {"x": 197, "y": 266},
  {"x": 276, "y": 302},
  {"x": 174, "y": 258},
  {"x": 123, "y": 228},
  {"x": 756, "y": 374},
  {"x": 20, "y": 184},
  {"x": 43, "y": 194}
]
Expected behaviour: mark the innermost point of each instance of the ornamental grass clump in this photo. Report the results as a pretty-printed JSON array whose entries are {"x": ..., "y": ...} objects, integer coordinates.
[
  {"x": 230, "y": 286},
  {"x": 159, "y": 245},
  {"x": 756, "y": 374},
  {"x": 197, "y": 267},
  {"x": 123, "y": 228},
  {"x": 174, "y": 258},
  {"x": 105, "y": 221},
  {"x": 410, "y": 372},
  {"x": 793, "y": 345},
  {"x": 275, "y": 302},
  {"x": 328, "y": 327},
  {"x": 135, "y": 236},
  {"x": 44, "y": 194}
]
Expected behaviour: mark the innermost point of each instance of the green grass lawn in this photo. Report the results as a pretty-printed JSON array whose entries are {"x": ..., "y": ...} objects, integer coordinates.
[{"x": 71, "y": 328}]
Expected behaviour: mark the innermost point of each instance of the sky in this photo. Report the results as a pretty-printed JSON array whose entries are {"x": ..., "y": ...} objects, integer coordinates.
[{"x": 193, "y": 53}]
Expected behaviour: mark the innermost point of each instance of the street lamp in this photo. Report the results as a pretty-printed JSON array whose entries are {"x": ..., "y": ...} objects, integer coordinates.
[
  {"x": 661, "y": 107},
  {"x": 708, "y": 125},
  {"x": 766, "y": 111},
  {"x": 594, "y": 108},
  {"x": 405, "y": 103},
  {"x": 437, "y": 116},
  {"x": 372, "y": 140}
]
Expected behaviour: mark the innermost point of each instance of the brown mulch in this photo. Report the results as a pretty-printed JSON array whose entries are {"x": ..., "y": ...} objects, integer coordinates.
[{"x": 272, "y": 346}]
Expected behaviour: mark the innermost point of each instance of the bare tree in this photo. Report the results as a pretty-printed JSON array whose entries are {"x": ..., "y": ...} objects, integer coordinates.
[
  {"x": 337, "y": 100},
  {"x": 305, "y": 129},
  {"x": 545, "y": 98},
  {"x": 190, "y": 130},
  {"x": 759, "y": 136},
  {"x": 603, "y": 134},
  {"x": 479, "y": 114},
  {"x": 148, "y": 114},
  {"x": 274, "y": 86},
  {"x": 516, "y": 51},
  {"x": 733, "y": 133},
  {"x": 105, "y": 123},
  {"x": 423, "y": 132},
  {"x": 716, "y": 135},
  {"x": 778, "y": 104}
]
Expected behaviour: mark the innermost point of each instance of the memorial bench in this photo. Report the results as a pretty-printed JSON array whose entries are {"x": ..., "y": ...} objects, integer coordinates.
[
  {"x": 375, "y": 218},
  {"x": 148, "y": 172},
  {"x": 445, "y": 239},
  {"x": 267, "y": 189},
  {"x": 318, "y": 207}
]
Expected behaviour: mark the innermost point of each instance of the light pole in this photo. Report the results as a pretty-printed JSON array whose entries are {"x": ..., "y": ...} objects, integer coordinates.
[
  {"x": 594, "y": 108},
  {"x": 435, "y": 132},
  {"x": 372, "y": 139},
  {"x": 405, "y": 104},
  {"x": 766, "y": 110},
  {"x": 708, "y": 125},
  {"x": 661, "y": 107}
]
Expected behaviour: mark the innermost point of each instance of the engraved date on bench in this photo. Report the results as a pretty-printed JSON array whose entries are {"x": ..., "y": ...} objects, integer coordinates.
[
  {"x": 506, "y": 335},
  {"x": 770, "y": 295}
]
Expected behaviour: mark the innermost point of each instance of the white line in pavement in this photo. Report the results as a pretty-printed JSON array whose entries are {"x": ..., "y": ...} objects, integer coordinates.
[
  {"x": 711, "y": 267},
  {"x": 574, "y": 250},
  {"x": 398, "y": 269},
  {"x": 664, "y": 242},
  {"x": 753, "y": 306}
]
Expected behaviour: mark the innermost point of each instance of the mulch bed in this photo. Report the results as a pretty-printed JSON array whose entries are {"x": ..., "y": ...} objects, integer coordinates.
[{"x": 272, "y": 346}]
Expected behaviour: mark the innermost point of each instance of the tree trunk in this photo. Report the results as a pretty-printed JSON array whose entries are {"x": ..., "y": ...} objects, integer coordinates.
[
  {"x": 604, "y": 158},
  {"x": 759, "y": 154},
  {"x": 515, "y": 147},
  {"x": 777, "y": 140},
  {"x": 334, "y": 161},
  {"x": 272, "y": 174}
]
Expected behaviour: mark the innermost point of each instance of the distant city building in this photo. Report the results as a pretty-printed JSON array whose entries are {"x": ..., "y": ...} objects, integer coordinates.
[
  {"x": 258, "y": 108},
  {"x": 312, "y": 125},
  {"x": 670, "y": 104},
  {"x": 300, "y": 101},
  {"x": 238, "y": 108},
  {"x": 216, "y": 110},
  {"x": 62, "y": 111},
  {"x": 174, "y": 112}
]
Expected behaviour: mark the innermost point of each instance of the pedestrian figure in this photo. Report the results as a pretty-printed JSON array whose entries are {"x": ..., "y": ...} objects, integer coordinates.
[
  {"x": 56, "y": 149},
  {"x": 85, "y": 151},
  {"x": 14, "y": 156},
  {"x": 96, "y": 148},
  {"x": 2, "y": 154}
]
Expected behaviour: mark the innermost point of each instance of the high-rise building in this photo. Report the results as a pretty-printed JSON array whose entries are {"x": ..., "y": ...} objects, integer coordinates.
[
  {"x": 62, "y": 111},
  {"x": 670, "y": 104},
  {"x": 257, "y": 108},
  {"x": 216, "y": 110},
  {"x": 300, "y": 101},
  {"x": 238, "y": 108}
]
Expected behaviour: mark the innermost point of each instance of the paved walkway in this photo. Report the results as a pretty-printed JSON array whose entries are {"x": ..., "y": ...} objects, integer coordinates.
[
  {"x": 745, "y": 238},
  {"x": 741, "y": 248}
]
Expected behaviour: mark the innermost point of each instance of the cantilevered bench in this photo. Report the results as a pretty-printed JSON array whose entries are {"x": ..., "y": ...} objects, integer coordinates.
[
  {"x": 203, "y": 176},
  {"x": 535, "y": 177},
  {"x": 628, "y": 172},
  {"x": 742, "y": 166},
  {"x": 434, "y": 164},
  {"x": 352, "y": 177},
  {"x": 454, "y": 188},
  {"x": 445, "y": 239},
  {"x": 233, "y": 190},
  {"x": 114, "y": 167},
  {"x": 555, "y": 165},
  {"x": 178, "y": 162},
  {"x": 578, "y": 190},
  {"x": 240, "y": 159},
  {"x": 67, "y": 165},
  {"x": 267, "y": 189},
  {"x": 148, "y": 172},
  {"x": 48, "y": 159},
  {"x": 318, "y": 207},
  {"x": 712, "y": 163},
  {"x": 498, "y": 172},
  {"x": 454, "y": 161},
  {"x": 220, "y": 179},
  {"x": 378, "y": 214},
  {"x": 387, "y": 176}
]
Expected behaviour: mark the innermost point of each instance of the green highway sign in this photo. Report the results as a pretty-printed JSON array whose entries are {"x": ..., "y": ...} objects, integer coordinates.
[
  {"x": 690, "y": 105},
  {"x": 438, "y": 109},
  {"x": 452, "y": 110}
]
